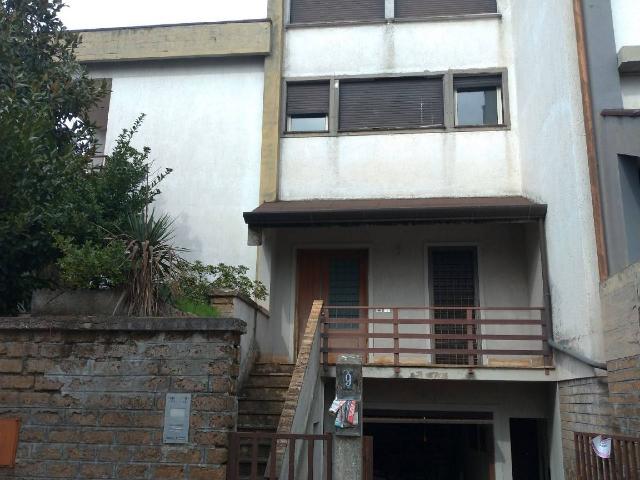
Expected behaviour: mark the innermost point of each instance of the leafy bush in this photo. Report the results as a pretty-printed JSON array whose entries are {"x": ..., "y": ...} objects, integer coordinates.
[
  {"x": 92, "y": 266},
  {"x": 196, "y": 281},
  {"x": 196, "y": 308}
]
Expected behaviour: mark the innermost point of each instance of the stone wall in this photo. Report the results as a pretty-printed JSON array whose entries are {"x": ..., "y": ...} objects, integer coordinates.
[{"x": 90, "y": 394}]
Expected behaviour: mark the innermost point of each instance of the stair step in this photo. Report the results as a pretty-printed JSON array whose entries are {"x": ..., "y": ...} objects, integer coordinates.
[
  {"x": 261, "y": 406},
  {"x": 273, "y": 380},
  {"x": 250, "y": 422},
  {"x": 261, "y": 393},
  {"x": 273, "y": 368}
]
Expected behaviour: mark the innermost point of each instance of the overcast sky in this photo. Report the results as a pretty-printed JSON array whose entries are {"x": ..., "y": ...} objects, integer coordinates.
[{"x": 85, "y": 14}]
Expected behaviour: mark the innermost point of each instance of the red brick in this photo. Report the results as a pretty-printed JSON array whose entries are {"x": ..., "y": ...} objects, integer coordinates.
[
  {"x": 113, "y": 453},
  {"x": 61, "y": 470},
  {"x": 96, "y": 470},
  {"x": 147, "y": 419},
  {"x": 207, "y": 473},
  {"x": 16, "y": 382},
  {"x": 146, "y": 454},
  {"x": 217, "y": 455},
  {"x": 46, "y": 452},
  {"x": 46, "y": 417},
  {"x": 211, "y": 438},
  {"x": 132, "y": 472},
  {"x": 63, "y": 436},
  {"x": 115, "y": 419},
  {"x": 172, "y": 472},
  {"x": 181, "y": 455},
  {"x": 13, "y": 365},
  {"x": 32, "y": 434},
  {"x": 133, "y": 437},
  {"x": 80, "y": 452},
  {"x": 45, "y": 384},
  {"x": 94, "y": 437},
  {"x": 87, "y": 419},
  {"x": 38, "y": 365}
]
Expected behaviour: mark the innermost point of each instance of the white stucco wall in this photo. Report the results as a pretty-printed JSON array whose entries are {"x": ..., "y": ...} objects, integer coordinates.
[
  {"x": 554, "y": 164},
  {"x": 630, "y": 89},
  {"x": 626, "y": 15},
  {"x": 426, "y": 164},
  {"x": 399, "y": 166},
  {"x": 203, "y": 120}
]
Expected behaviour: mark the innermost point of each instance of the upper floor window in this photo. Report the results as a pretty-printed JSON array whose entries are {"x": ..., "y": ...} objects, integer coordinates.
[
  {"x": 308, "y": 106},
  {"x": 446, "y": 102},
  {"x": 478, "y": 100},
  {"x": 435, "y": 8},
  {"x": 391, "y": 103},
  {"x": 314, "y": 11}
]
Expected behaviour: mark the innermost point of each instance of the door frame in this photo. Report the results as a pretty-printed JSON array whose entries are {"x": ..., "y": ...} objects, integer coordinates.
[{"x": 294, "y": 279}]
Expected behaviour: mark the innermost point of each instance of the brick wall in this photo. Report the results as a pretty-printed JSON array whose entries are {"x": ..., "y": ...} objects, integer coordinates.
[
  {"x": 584, "y": 407},
  {"x": 90, "y": 394},
  {"x": 624, "y": 394}
]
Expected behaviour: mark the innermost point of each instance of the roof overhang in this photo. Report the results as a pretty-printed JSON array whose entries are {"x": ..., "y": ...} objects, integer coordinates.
[
  {"x": 394, "y": 211},
  {"x": 629, "y": 59},
  {"x": 182, "y": 41}
]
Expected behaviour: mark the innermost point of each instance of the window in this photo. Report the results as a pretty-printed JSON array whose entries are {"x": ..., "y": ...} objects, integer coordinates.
[
  {"x": 478, "y": 100},
  {"x": 434, "y": 8},
  {"x": 314, "y": 11},
  {"x": 308, "y": 106},
  {"x": 391, "y": 103}
]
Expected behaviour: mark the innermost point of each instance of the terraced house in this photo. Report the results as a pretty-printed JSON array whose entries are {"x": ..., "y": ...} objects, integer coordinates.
[{"x": 447, "y": 188}]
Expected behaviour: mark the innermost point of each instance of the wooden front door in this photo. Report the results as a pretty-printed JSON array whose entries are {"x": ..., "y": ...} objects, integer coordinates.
[{"x": 339, "y": 277}]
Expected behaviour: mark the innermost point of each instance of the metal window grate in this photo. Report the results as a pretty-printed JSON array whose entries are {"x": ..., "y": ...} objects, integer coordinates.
[
  {"x": 344, "y": 289},
  {"x": 432, "y": 8},
  {"x": 453, "y": 284},
  {"x": 308, "y": 98},
  {"x": 311, "y": 11}
]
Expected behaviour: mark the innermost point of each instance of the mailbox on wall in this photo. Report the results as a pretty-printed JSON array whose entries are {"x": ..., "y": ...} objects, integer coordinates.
[{"x": 9, "y": 429}]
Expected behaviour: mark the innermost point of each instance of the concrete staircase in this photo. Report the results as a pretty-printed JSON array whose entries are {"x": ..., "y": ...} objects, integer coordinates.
[{"x": 260, "y": 404}]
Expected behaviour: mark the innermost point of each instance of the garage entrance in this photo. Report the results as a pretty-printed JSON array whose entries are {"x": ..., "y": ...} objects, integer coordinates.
[{"x": 431, "y": 448}]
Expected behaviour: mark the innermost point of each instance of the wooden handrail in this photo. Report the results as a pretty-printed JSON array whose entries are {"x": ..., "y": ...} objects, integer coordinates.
[{"x": 464, "y": 341}]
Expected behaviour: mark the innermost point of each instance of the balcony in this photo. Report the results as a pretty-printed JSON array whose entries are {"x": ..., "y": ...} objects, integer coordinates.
[{"x": 443, "y": 337}]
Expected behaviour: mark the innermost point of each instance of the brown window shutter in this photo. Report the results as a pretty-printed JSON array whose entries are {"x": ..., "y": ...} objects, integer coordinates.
[
  {"x": 477, "y": 81},
  {"x": 310, "y": 11},
  {"x": 390, "y": 103},
  {"x": 432, "y": 8},
  {"x": 306, "y": 98}
]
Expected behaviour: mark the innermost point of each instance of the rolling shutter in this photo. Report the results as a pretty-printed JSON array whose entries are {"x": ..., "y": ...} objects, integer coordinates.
[
  {"x": 309, "y": 11},
  {"x": 306, "y": 98},
  {"x": 477, "y": 81},
  {"x": 432, "y": 8},
  {"x": 391, "y": 103}
]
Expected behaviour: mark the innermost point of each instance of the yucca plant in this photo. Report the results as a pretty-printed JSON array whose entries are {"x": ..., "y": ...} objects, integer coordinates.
[{"x": 154, "y": 260}]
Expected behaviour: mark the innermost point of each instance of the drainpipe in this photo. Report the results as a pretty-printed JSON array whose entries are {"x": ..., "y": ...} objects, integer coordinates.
[
  {"x": 578, "y": 356},
  {"x": 592, "y": 158}
]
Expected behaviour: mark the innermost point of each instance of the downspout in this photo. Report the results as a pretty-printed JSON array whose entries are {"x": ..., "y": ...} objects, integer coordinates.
[
  {"x": 578, "y": 356},
  {"x": 592, "y": 158}
]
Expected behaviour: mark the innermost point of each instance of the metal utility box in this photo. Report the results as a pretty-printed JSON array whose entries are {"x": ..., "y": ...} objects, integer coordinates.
[{"x": 9, "y": 429}]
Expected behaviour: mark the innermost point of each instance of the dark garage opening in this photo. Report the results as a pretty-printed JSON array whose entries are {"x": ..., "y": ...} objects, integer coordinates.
[{"x": 431, "y": 451}]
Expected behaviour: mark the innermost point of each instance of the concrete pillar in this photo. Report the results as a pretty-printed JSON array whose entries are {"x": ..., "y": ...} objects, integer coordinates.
[{"x": 347, "y": 442}]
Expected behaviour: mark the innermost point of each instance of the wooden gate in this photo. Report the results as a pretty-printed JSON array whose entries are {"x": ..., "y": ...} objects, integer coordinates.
[
  {"x": 624, "y": 463},
  {"x": 256, "y": 468}
]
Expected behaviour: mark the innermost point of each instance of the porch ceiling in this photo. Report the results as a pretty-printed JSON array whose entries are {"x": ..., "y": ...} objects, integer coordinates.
[{"x": 394, "y": 211}]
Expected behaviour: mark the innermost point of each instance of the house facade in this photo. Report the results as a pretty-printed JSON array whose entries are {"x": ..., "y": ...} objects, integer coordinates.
[{"x": 431, "y": 171}]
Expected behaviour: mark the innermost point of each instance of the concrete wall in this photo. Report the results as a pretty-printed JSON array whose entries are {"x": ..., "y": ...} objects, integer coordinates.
[
  {"x": 398, "y": 266},
  {"x": 204, "y": 121},
  {"x": 630, "y": 91},
  {"x": 401, "y": 165},
  {"x": 554, "y": 163},
  {"x": 90, "y": 394},
  {"x": 625, "y": 20}
]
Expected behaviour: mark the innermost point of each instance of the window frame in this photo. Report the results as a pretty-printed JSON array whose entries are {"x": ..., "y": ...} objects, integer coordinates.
[
  {"x": 448, "y": 103},
  {"x": 499, "y": 110}
]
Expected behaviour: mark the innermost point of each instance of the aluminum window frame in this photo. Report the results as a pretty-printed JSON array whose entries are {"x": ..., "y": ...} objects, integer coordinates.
[{"x": 449, "y": 103}]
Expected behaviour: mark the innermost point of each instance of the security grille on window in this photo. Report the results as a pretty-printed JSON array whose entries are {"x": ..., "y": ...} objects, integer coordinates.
[
  {"x": 308, "y": 106},
  {"x": 478, "y": 100},
  {"x": 434, "y": 8},
  {"x": 391, "y": 103},
  {"x": 314, "y": 11}
]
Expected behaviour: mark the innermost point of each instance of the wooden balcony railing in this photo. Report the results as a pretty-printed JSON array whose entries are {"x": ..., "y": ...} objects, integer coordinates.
[
  {"x": 623, "y": 463},
  {"x": 437, "y": 336}
]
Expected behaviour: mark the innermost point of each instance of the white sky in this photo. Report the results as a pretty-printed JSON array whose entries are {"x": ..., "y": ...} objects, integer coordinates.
[{"x": 86, "y": 14}]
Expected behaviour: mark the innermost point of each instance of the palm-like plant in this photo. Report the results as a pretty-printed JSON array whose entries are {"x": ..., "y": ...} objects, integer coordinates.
[{"x": 154, "y": 260}]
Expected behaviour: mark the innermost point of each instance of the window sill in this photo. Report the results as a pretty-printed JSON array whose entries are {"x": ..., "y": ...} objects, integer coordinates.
[
  {"x": 355, "y": 23},
  {"x": 405, "y": 131}
]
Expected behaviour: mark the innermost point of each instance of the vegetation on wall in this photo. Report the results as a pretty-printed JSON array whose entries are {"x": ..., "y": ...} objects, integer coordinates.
[{"x": 64, "y": 222}]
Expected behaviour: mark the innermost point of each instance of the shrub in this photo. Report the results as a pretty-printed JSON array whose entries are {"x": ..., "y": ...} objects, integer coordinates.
[{"x": 92, "y": 266}]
